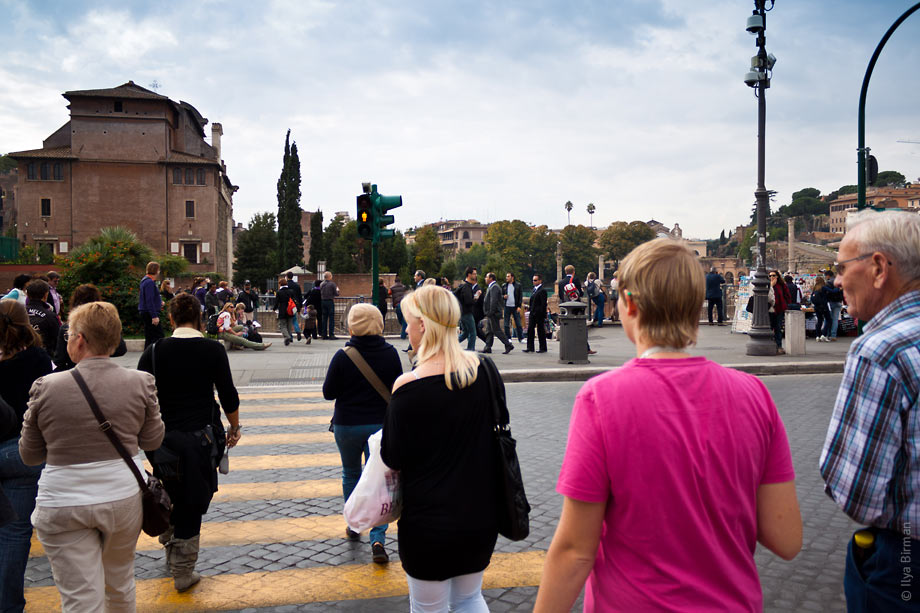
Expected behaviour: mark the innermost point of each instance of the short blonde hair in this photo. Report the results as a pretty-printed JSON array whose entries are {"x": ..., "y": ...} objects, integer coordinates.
[
  {"x": 153, "y": 268},
  {"x": 99, "y": 324},
  {"x": 665, "y": 280},
  {"x": 439, "y": 309},
  {"x": 365, "y": 319},
  {"x": 430, "y": 281}
]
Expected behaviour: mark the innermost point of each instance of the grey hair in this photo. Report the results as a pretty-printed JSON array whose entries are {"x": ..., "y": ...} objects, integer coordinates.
[{"x": 894, "y": 233}]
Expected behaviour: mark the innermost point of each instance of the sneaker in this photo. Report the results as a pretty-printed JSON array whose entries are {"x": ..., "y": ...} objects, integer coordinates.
[
  {"x": 380, "y": 554},
  {"x": 351, "y": 535},
  {"x": 287, "y": 342},
  {"x": 298, "y": 336}
]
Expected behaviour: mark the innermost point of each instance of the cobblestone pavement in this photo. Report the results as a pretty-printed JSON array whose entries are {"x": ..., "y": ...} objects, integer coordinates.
[{"x": 272, "y": 540}]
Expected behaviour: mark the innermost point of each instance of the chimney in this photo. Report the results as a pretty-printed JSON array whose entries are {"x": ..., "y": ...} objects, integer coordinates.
[{"x": 216, "y": 131}]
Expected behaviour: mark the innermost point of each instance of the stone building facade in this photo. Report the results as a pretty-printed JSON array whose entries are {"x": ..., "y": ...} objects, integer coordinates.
[
  {"x": 8, "y": 181},
  {"x": 907, "y": 198},
  {"x": 133, "y": 158}
]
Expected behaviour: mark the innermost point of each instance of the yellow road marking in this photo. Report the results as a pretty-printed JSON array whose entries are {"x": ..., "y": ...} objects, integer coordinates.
[
  {"x": 299, "y": 586},
  {"x": 300, "y": 406},
  {"x": 286, "y": 438},
  {"x": 268, "y": 395},
  {"x": 309, "y": 420},
  {"x": 269, "y": 462},
  {"x": 282, "y": 490},
  {"x": 250, "y": 532}
]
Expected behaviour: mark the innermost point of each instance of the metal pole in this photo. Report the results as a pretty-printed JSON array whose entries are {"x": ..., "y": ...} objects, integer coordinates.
[
  {"x": 760, "y": 337},
  {"x": 861, "y": 116},
  {"x": 375, "y": 274}
]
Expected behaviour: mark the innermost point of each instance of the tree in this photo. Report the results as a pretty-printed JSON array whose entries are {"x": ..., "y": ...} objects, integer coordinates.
[
  {"x": 426, "y": 253},
  {"x": 591, "y": 210},
  {"x": 317, "y": 242},
  {"x": 290, "y": 233},
  {"x": 889, "y": 177},
  {"x": 722, "y": 239},
  {"x": 475, "y": 257},
  {"x": 393, "y": 253},
  {"x": 541, "y": 256},
  {"x": 620, "y": 238},
  {"x": 256, "y": 252},
  {"x": 509, "y": 241},
  {"x": 578, "y": 249},
  {"x": 568, "y": 210},
  {"x": 7, "y": 163},
  {"x": 350, "y": 253}
]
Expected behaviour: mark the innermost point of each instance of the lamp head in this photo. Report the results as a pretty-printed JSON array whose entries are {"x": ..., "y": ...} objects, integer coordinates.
[
  {"x": 755, "y": 24},
  {"x": 752, "y": 78}
]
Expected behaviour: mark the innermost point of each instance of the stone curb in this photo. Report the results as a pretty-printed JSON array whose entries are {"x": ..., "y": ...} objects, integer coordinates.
[{"x": 548, "y": 375}]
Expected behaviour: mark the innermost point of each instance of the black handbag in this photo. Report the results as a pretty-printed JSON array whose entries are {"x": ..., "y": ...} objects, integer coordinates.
[
  {"x": 154, "y": 499},
  {"x": 513, "y": 509}
]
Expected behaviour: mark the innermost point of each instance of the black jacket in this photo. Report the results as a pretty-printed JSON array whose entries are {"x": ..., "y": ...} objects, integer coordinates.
[
  {"x": 45, "y": 322},
  {"x": 465, "y": 297},
  {"x": 281, "y": 301},
  {"x": 298, "y": 295},
  {"x": 250, "y": 300},
  {"x": 62, "y": 358},
  {"x": 518, "y": 293},
  {"x": 538, "y": 305},
  {"x": 356, "y": 401},
  {"x": 565, "y": 281},
  {"x": 315, "y": 298}
]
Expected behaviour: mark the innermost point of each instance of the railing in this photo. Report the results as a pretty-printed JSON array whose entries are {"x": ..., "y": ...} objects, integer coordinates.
[{"x": 267, "y": 314}]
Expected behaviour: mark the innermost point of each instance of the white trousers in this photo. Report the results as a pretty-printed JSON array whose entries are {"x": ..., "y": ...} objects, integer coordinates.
[{"x": 461, "y": 594}]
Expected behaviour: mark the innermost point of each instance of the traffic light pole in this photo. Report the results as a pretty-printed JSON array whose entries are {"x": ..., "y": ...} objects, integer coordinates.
[{"x": 375, "y": 275}]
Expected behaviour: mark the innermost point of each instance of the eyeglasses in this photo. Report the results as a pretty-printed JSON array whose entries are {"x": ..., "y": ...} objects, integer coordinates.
[
  {"x": 772, "y": 275},
  {"x": 840, "y": 266},
  {"x": 68, "y": 335}
]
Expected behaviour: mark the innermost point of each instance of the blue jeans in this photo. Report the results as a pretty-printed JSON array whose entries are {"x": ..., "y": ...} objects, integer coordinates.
[
  {"x": 20, "y": 484},
  {"x": 513, "y": 313},
  {"x": 830, "y": 326},
  {"x": 352, "y": 441},
  {"x": 884, "y": 576},
  {"x": 327, "y": 325},
  {"x": 468, "y": 331},
  {"x": 599, "y": 303},
  {"x": 295, "y": 320},
  {"x": 402, "y": 322}
]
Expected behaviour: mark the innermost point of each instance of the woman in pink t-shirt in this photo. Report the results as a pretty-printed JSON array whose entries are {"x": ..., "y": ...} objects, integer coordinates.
[{"x": 675, "y": 466}]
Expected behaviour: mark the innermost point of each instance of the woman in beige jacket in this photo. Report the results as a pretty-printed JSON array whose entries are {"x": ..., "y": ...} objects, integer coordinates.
[{"x": 88, "y": 510}]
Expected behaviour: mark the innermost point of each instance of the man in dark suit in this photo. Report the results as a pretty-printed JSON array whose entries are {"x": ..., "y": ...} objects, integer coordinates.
[
  {"x": 537, "y": 320},
  {"x": 493, "y": 312}
]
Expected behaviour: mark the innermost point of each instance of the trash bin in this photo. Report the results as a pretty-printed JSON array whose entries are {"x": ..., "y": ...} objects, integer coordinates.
[
  {"x": 573, "y": 333},
  {"x": 795, "y": 333}
]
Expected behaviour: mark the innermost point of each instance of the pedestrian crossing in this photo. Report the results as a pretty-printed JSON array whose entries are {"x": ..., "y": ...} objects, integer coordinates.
[{"x": 274, "y": 534}]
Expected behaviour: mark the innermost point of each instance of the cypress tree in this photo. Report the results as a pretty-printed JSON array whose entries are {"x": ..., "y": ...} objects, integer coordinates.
[
  {"x": 290, "y": 234},
  {"x": 317, "y": 244}
]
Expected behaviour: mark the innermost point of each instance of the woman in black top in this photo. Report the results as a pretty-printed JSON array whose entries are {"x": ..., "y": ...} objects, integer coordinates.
[
  {"x": 359, "y": 407},
  {"x": 438, "y": 434},
  {"x": 22, "y": 361},
  {"x": 187, "y": 368}
]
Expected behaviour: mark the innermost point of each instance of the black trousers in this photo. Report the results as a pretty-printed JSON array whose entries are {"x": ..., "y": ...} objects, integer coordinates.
[
  {"x": 540, "y": 326},
  {"x": 716, "y": 302},
  {"x": 152, "y": 333},
  {"x": 495, "y": 330}
]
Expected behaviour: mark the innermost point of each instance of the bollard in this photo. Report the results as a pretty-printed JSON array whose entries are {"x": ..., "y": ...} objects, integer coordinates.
[
  {"x": 573, "y": 333},
  {"x": 795, "y": 333}
]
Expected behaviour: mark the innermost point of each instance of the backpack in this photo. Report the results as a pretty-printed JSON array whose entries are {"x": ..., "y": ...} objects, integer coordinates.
[
  {"x": 291, "y": 307},
  {"x": 211, "y": 327},
  {"x": 571, "y": 292},
  {"x": 254, "y": 335}
]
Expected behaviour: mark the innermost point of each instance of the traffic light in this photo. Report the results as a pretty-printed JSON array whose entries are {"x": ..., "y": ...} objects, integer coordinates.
[
  {"x": 382, "y": 204},
  {"x": 366, "y": 224}
]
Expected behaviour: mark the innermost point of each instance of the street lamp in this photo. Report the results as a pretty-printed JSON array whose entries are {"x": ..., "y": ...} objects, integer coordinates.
[{"x": 761, "y": 340}]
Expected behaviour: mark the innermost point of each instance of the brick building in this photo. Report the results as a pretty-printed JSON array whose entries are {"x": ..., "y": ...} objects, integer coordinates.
[
  {"x": 129, "y": 157},
  {"x": 8, "y": 180},
  {"x": 907, "y": 197}
]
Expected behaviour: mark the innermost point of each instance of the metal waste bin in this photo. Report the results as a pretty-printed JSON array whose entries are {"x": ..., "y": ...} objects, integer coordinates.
[{"x": 573, "y": 333}]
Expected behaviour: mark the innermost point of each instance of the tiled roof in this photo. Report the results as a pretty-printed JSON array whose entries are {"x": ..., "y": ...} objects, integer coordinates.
[
  {"x": 57, "y": 153},
  {"x": 176, "y": 157},
  {"x": 127, "y": 90}
]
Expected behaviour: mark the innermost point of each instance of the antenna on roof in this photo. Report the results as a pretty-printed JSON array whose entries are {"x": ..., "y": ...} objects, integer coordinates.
[{"x": 155, "y": 85}]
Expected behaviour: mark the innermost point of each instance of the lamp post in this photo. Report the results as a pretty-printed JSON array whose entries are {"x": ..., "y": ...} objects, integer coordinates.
[
  {"x": 760, "y": 337},
  {"x": 862, "y": 152}
]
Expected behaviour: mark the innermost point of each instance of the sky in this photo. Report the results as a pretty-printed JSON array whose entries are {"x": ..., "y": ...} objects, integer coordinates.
[{"x": 492, "y": 110}]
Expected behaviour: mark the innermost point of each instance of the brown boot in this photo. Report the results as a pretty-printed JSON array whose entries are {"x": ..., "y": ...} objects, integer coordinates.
[{"x": 183, "y": 554}]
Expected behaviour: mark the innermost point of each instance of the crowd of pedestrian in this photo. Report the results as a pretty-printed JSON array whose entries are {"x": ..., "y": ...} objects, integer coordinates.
[{"x": 668, "y": 483}]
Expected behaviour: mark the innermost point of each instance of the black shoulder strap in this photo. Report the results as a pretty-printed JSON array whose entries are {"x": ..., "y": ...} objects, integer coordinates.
[
  {"x": 106, "y": 427},
  {"x": 499, "y": 407}
]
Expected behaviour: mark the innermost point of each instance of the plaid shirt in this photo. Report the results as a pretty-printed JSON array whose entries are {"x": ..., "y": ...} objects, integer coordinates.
[{"x": 871, "y": 457}]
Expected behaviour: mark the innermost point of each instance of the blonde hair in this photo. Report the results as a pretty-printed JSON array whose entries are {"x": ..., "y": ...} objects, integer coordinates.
[
  {"x": 228, "y": 306},
  {"x": 365, "y": 319},
  {"x": 665, "y": 280},
  {"x": 99, "y": 324},
  {"x": 440, "y": 311},
  {"x": 430, "y": 281}
]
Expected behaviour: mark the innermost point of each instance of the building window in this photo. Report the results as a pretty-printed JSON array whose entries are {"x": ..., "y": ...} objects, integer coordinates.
[
  {"x": 469, "y": 244},
  {"x": 30, "y": 169},
  {"x": 58, "y": 171},
  {"x": 201, "y": 177},
  {"x": 46, "y": 207},
  {"x": 177, "y": 176},
  {"x": 190, "y": 209},
  {"x": 45, "y": 171},
  {"x": 190, "y": 251},
  {"x": 190, "y": 176},
  {"x": 466, "y": 234},
  {"x": 119, "y": 106}
]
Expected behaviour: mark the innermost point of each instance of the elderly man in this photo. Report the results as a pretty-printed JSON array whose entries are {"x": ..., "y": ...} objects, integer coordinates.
[
  {"x": 871, "y": 457},
  {"x": 328, "y": 290}
]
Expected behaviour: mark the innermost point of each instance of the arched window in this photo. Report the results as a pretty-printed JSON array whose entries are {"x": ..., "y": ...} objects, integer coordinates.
[{"x": 466, "y": 234}]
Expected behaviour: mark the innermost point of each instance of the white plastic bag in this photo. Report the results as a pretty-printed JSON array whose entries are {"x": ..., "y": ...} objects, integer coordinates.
[{"x": 377, "y": 498}]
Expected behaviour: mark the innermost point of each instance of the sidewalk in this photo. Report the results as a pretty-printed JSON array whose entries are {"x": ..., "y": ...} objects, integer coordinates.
[{"x": 304, "y": 364}]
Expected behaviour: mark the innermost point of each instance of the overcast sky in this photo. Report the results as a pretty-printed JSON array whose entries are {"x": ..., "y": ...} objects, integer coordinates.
[{"x": 492, "y": 110}]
